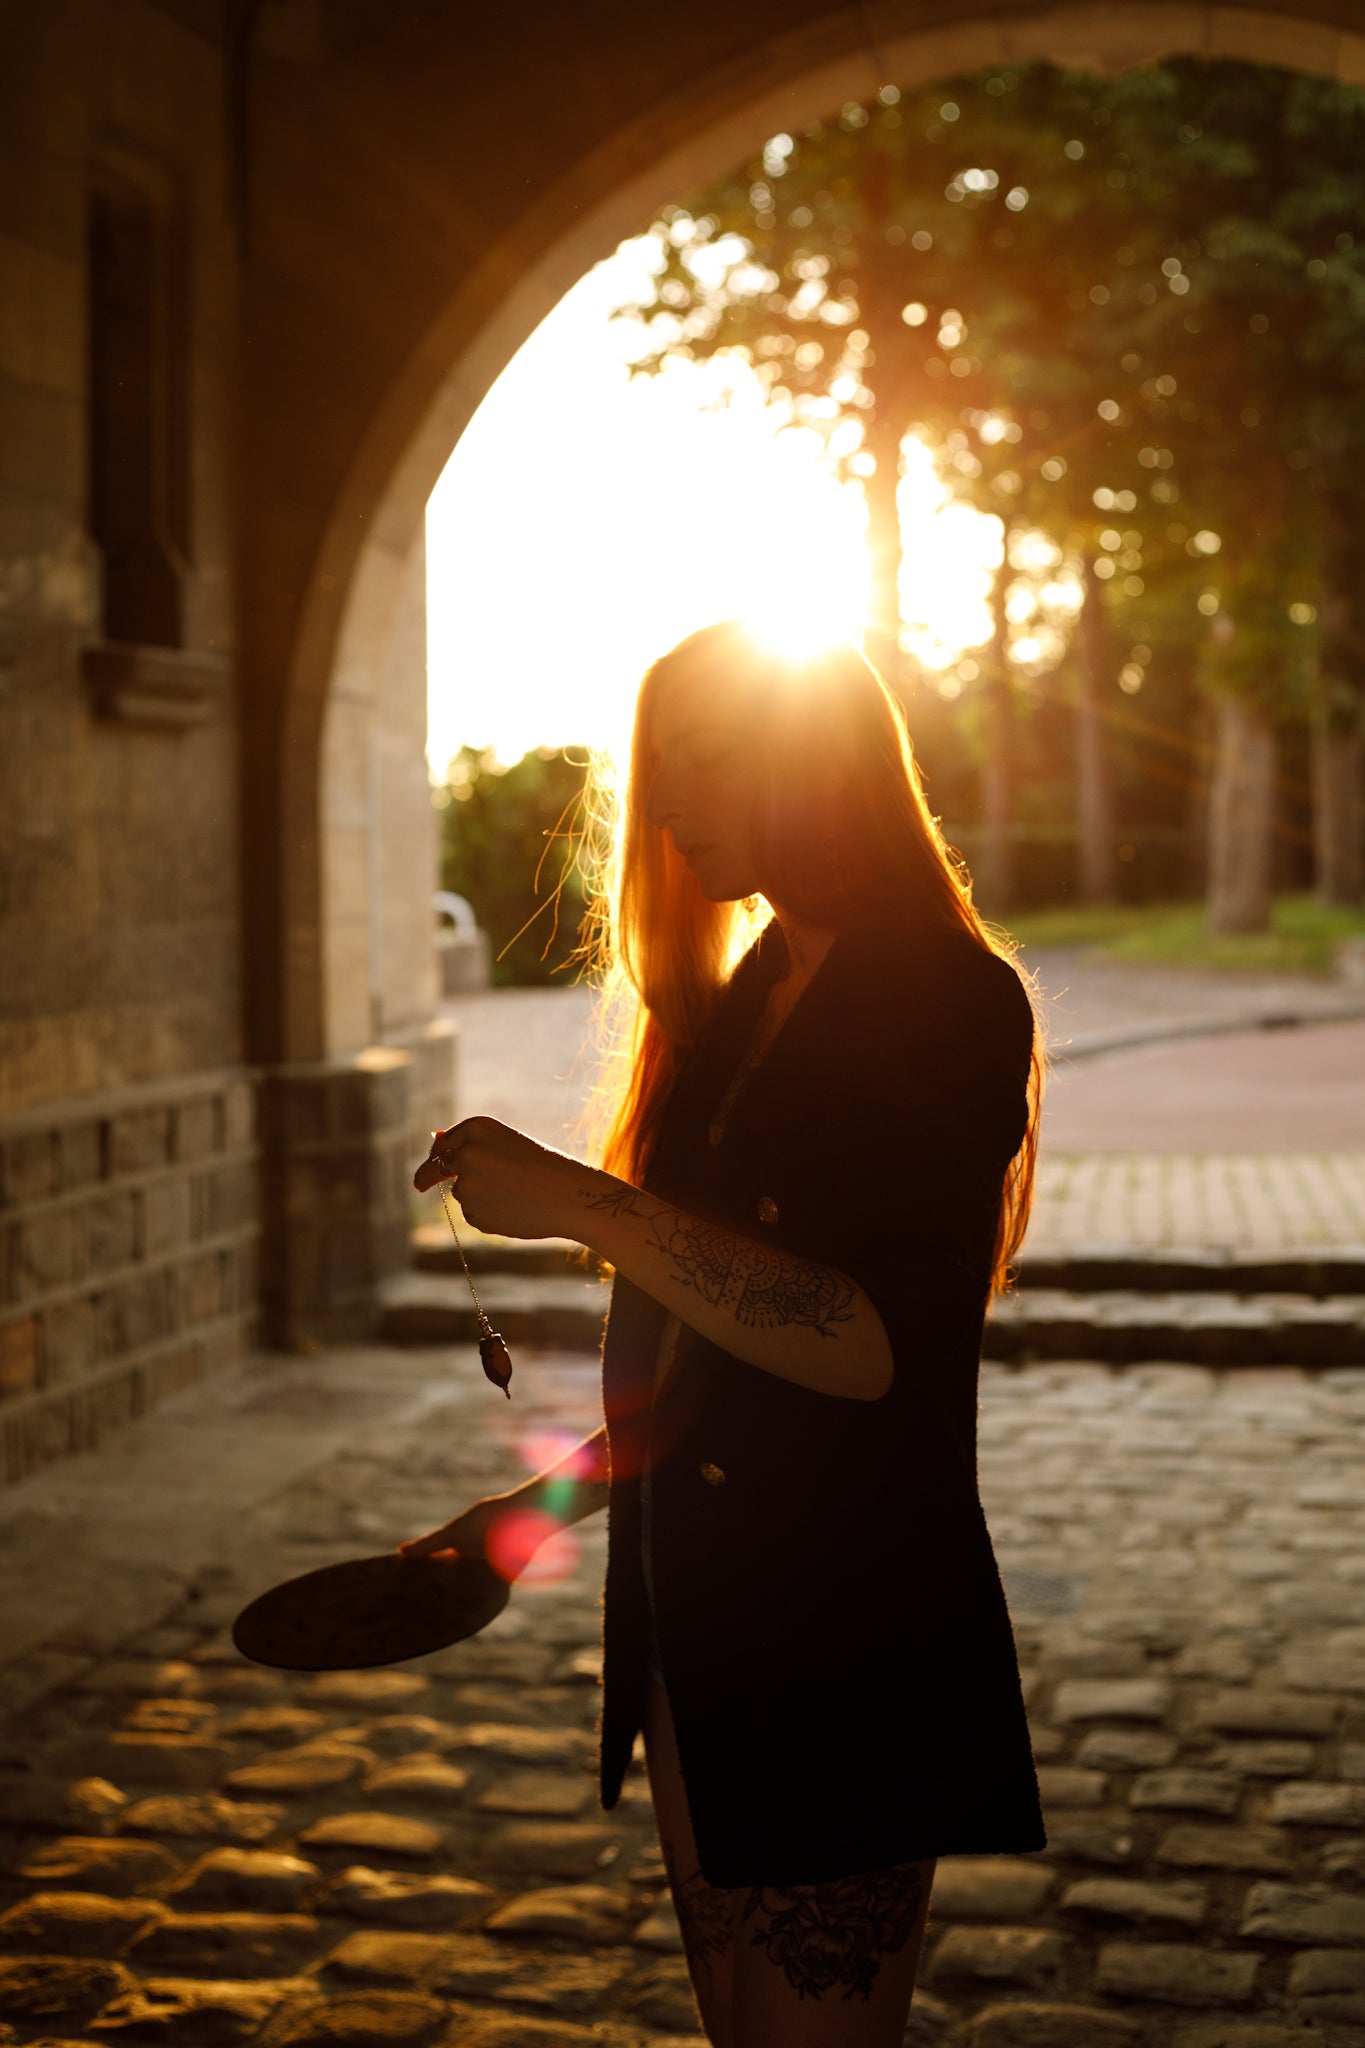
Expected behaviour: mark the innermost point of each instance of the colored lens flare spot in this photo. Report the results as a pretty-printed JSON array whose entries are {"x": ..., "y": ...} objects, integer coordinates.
[{"x": 529, "y": 1545}]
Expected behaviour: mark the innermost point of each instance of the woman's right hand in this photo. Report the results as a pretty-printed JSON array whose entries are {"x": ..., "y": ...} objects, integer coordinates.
[{"x": 467, "y": 1534}]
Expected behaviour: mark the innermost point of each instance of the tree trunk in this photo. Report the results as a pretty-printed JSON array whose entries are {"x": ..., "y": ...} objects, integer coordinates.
[
  {"x": 1094, "y": 798},
  {"x": 1339, "y": 811},
  {"x": 994, "y": 867},
  {"x": 1241, "y": 819}
]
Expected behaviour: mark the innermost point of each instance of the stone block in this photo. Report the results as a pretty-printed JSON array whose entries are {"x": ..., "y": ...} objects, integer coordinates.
[
  {"x": 1112, "y": 1698},
  {"x": 1313, "y": 1804},
  {"x": 228, "y": 1944},
  {"x": 309, "y": 1768},
  {"x": 998, "y": 1955},
  {"x": 663, "y": 1996},
  {"x": 1186, "y": 1791},
  {"x": 1067, "y": 1785},
  {"x": 1266, "y": 1759},
  {"x": 550, "y": 1848},
  {"x": 1215, "y": 2033},
  {"x": 74, "y": 1923},
  {"x": 180, "y": 2013},
  {"x": 428, "y": 1780},
  {"x": 80, "y": 1151},
  {"x": 202, "y": 1816},
  {"x": 41, "y": 1432},
  {"x": 548, "y": 1794},
  {"x": 1028, "y": 2025},
  {"x": 70, "y": 1334},
  {"x": 229, "y": 1199},
  {"x": 18, "y": 1356},
  {"x": 89, "y": 1864},
  {"x": 165, "y": 1215},
  {"x": 401, "y": 1898},
  {"x": 239, "y": 1114},
  {"x": 573, "y": 1912},
  {"x": 1329, "y": 1984},
  {"x": 395, "y": 2019},
  {"x": 135, "y": 1313},
  {"x": 48, "y": 1252},
  {"x": 1311, "y": 1915},
  {"x": 1259, "y": 1710},
  {"x": 28, "y": 1167},
  {"x": 1175, "y": 1974},
  {"x": 138, "y": 1140},
  {"x": 52, "y": 1993},
  {"x": 61, "y": 1805},
  {"x": 170, "y": 1372},
  {"x": 1118, "y": 1898},
  {"x": 408, "y": 1960},
  {"x": 376, "y": 1834},
  {"x": 197, "y": 1129},
  {"x": 1345, "y": 1859},
  {"x": 179, "y": 1762},
  {"x": 199, "y": 1289},
  {"x": 111, "y": 1231},
  {"x": 1191, "y": 1846},
  {"x": 989, "y": 1888},
  {"x": 1125, "y": 1749},
  {"x": 1090, "y": 1838}
]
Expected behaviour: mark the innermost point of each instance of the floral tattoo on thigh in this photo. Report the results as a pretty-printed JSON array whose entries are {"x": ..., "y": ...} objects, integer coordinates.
[{"x": 827, "y": 1937}]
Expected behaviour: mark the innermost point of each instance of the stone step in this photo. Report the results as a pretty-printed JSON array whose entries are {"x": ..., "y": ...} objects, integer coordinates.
[
  {"x": 565, "y": 1311},
  {"x": 1082, "y": 1269},
  {"x": 1202, "y": 1328},
  {"x": 562, "y": 1311}
]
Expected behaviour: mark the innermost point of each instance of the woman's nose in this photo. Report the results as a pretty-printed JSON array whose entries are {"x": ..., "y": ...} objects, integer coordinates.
[{"x": 661, "y": 805}]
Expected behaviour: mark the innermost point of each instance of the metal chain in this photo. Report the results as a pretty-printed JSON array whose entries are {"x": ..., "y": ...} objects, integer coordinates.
[{"x": 484, "y": 1324}]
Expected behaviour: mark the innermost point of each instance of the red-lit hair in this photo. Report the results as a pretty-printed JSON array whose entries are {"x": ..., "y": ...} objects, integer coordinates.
[{"x": 821, "y": 723}]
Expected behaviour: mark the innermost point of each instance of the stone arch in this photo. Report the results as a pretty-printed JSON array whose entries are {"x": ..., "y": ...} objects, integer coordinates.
[
  {"x": 363, "y": 596},
  {"x": 357, "y": 978}
]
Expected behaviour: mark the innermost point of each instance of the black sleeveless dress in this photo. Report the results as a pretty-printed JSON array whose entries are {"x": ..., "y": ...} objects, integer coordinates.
[{"x": 830, "y": 1621}]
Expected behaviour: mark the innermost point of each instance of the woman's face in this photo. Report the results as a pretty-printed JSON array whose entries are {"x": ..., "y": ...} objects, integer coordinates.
[{"x": 703, "y": 787}]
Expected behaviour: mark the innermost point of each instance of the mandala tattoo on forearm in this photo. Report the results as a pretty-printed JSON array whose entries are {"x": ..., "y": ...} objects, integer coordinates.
[
  {"x": 763, "y": 1288},
  {"x": 835, "y": 1936}
]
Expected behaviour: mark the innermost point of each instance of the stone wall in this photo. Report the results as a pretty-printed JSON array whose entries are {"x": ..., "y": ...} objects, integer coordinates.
[{"x": 129, "y": 1242}]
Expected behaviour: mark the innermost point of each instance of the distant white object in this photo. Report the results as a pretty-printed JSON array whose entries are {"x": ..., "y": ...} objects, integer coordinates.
[
  {"x": 1350, "y": 960},
  {"x": 463, "y": 951}
]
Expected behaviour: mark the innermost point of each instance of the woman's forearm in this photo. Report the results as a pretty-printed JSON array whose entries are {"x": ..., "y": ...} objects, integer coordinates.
[
  {"x": 802, "y": 1321},
  {"x": 574, "y": 1488}
]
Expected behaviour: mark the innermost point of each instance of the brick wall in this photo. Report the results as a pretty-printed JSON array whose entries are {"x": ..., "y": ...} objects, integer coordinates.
[{"x": 129, "y": 1241}]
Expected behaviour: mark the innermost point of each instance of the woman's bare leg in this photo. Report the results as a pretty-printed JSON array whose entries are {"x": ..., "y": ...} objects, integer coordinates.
[
  {"x": 829, "y": 1965},
  {"x": 707, "y": 1913},
  {"x": 809, "y": 1966}
]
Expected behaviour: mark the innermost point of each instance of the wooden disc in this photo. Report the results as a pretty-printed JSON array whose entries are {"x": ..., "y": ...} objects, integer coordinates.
[{"x": 369, "y": 1611}]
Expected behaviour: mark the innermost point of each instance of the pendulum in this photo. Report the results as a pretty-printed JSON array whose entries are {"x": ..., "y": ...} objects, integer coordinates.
[{"x": 497, "y": 1364}]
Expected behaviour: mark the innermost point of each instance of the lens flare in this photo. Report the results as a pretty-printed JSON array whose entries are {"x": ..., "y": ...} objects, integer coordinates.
[{"x": 531, "y": 1546}]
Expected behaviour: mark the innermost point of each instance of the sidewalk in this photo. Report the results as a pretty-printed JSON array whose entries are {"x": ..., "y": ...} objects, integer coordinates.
[{"x": 1249, "y": 1140}]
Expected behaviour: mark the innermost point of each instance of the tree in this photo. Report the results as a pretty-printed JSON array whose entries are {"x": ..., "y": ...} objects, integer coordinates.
[{"x": 504, "y": 845}]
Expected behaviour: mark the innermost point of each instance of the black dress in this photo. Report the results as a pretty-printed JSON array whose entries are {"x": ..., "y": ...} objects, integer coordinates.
[{"x": 833, "y": 1634}]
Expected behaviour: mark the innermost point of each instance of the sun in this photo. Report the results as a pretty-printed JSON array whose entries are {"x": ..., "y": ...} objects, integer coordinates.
[{"x": 588, "y": 521}]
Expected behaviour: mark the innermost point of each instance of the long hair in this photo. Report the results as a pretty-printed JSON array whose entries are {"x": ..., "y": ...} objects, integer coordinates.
[{"x": 829, "y": 741}]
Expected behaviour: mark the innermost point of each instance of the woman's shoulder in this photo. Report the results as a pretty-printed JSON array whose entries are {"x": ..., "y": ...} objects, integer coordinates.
[{"x": 942, "y": 975}]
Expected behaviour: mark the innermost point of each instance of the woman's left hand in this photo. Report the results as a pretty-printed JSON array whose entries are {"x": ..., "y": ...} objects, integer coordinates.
[{"x": 504, "y": 1181}]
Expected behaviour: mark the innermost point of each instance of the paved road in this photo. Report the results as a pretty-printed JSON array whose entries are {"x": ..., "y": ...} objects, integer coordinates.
[
  {"x": 1251, "y": 1141},
  {"x": 198, "y": 1851}
]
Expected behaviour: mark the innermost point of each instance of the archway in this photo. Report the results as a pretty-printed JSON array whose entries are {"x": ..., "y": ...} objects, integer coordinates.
[{"x": 348, "y": 709}]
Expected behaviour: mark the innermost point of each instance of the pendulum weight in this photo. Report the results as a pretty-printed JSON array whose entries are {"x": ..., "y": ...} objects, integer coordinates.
[{"x": 497, "y": 1363}]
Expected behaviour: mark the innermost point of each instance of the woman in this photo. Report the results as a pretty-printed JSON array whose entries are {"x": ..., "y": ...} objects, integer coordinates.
[{"x": 819, "y": 1169}]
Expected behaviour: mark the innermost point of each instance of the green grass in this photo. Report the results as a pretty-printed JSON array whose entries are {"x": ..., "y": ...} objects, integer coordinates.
[{"x": 1301, "y": 939}]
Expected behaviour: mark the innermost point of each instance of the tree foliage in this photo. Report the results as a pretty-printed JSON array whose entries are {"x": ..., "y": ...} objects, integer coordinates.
[{"x": 507, "y": 845}]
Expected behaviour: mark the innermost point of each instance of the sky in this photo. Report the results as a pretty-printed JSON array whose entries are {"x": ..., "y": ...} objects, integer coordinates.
[{"x": 586, "y": 521}]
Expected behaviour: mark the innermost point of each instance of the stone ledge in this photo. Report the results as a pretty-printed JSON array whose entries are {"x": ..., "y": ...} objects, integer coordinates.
[{"x": 166, "y": 687}]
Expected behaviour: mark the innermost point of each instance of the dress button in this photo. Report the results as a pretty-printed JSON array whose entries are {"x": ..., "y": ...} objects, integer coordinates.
[
  {"x": 767, "y": 1209},
  {"x": 712, "y": 1474}
]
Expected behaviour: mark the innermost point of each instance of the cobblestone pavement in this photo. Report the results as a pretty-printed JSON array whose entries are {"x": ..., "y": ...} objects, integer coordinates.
[
  {"x": 1236, "y": 1201},
  {"x": 197, "y": 1851}
]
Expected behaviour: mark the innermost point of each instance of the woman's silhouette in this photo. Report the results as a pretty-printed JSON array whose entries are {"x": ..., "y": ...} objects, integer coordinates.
[{"x": 819, "y": 1168}]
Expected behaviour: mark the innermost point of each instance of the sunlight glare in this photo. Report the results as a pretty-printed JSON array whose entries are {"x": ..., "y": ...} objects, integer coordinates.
[{"x": 586, "y": 522}]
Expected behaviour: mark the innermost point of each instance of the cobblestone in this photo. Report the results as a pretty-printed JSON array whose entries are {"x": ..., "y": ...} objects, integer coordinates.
[{"x": 455, "y": 1883}]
